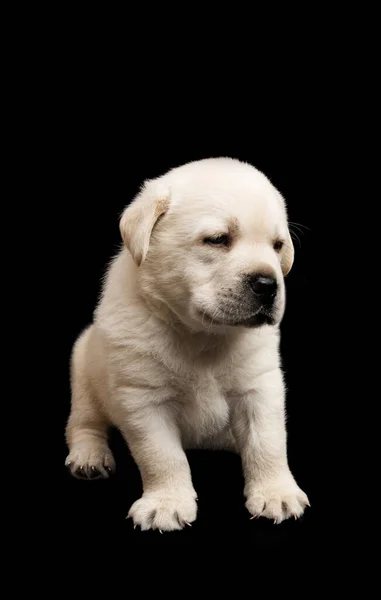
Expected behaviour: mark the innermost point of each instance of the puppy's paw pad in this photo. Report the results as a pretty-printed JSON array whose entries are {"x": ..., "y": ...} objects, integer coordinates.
[
  {"x": 87, "y": 463},
  {"x": 166, "y": 511}
]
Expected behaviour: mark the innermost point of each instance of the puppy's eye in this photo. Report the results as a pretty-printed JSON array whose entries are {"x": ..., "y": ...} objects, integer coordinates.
[
  {"x": 218, "y": 240},
  {"x": 278, "y": 245}
]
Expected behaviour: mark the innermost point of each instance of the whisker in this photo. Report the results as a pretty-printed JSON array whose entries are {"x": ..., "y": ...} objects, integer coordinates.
[
  {"x": 300, "y": 225},
  {"x": 294, "y": 236},
  {"x": 212, "y": 320},
  {"x": 203, "y": 316}
]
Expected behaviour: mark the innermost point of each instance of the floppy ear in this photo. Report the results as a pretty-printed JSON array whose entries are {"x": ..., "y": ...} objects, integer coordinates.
[
  {"x": 139, "y": 218},
  {"x": 288, "y": 255}
]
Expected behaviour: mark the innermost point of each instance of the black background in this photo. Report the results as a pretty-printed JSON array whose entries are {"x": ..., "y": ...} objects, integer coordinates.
[{"x": 108, "y": 133}]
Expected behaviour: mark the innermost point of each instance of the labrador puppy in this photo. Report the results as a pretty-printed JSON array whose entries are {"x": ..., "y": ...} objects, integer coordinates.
[{"x": 183, "y": 351}]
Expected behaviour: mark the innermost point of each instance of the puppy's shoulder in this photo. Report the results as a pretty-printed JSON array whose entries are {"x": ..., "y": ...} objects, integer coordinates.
[{"x": 118, "y": 298}]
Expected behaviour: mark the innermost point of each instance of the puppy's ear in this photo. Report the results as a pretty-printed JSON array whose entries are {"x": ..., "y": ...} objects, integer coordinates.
[
  {"x": 139, "y": 218},
  {"x": 288, "y": 255}
]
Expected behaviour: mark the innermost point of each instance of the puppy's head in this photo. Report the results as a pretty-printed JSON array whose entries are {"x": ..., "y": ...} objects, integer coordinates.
[{"x": 211, "y": 243}]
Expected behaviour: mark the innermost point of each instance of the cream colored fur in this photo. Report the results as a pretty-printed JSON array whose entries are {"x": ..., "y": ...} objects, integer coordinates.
[{"x": 165, "y": 360}]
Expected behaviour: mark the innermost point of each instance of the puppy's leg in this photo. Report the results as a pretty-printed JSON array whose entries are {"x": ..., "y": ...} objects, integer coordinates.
[
  {"x": 169, "y": 499},
  {"x": 259, "y": 427},
  {"x": 86, "y": 432}
]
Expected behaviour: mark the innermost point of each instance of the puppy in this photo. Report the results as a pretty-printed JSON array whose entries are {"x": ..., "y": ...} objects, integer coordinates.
[{"x": 183, "y": 351}]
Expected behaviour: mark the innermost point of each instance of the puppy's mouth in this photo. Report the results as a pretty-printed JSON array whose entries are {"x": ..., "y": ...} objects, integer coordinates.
[{"x": 260, "y": 317}]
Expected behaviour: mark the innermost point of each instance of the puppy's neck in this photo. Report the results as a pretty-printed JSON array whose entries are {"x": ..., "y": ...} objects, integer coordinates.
[{"x": 199, "y": 341}]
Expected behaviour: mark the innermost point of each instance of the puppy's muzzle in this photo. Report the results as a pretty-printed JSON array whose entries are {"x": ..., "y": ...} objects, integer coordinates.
[{"x": 265, "y": 289}]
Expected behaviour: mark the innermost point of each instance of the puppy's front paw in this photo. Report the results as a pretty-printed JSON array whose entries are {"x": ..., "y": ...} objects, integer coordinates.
[
  {"x": 277, "y": 500},
  {"x": 166, "y": 510},
  {"x": 90, "y": 462}
]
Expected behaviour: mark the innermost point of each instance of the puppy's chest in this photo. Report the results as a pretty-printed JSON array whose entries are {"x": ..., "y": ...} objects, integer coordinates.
[{"x": 203, "y": 406}]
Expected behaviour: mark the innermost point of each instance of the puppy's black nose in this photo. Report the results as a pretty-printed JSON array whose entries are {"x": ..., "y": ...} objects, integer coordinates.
[{"x": 264, "y": 287}]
